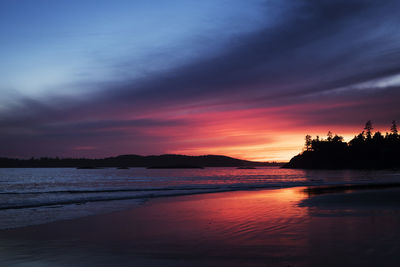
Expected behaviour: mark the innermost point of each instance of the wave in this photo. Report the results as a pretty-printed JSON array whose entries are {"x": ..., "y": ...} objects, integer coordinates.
[
  {"x": 88, "y": 191},
  {"x": 85, "y": 196},
  {"x": 233, "y": 186},
  {"x": 80, "y": 196},
  {"x": 105, "y": 198}
]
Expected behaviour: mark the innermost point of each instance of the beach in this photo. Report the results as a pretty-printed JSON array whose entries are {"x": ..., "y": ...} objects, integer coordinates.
[
  {"x": 199, "y": 133},
  {"x": 275, "y": 227}
]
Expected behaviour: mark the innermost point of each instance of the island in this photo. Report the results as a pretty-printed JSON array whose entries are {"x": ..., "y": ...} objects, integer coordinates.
[
  {"x": 176, "y": 167},
  {"x": 366, "y": 150},
  {"x": 130, "y": 161}
]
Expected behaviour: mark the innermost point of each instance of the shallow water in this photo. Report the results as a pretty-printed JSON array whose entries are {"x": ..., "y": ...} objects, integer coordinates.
[
  {"x": 34, "y": 196},
  {"x": 246, "y": 228}
]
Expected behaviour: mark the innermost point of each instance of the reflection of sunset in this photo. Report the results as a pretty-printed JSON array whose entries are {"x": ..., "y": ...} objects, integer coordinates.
[
  {"x": 251, "y": 217},
  {"x": 190, "y": 130},
  {"x": 266, "y": 228}
]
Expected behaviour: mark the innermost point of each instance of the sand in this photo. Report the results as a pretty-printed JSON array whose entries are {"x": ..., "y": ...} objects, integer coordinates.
[{"x": 281, "y": 227}]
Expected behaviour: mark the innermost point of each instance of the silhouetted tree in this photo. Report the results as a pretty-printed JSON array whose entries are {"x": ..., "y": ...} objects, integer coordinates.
[
  {"x": 337, "y": 138},
  {"x": 368, "y": 128},
  {"x": 393, "y": 129},
  {"x": 363, "y": 151},
  {"x": 308, "y": 142},
  {"x": 329, "y": 136},
  {"x": 378, "y": 137}
]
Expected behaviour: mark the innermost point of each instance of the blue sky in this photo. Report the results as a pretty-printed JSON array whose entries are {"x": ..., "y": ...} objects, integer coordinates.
[
  {"x": 52, "y": 47},
  {"x": 243, "y": 78}
]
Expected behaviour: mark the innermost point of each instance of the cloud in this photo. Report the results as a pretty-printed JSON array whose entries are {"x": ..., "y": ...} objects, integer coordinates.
[
  {"x": 320, "y": 46},
  {"x": 294, "y": 70}
]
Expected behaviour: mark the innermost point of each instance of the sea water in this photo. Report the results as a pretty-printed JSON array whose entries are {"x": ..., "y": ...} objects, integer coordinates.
[{"x": 35, "y": 196}]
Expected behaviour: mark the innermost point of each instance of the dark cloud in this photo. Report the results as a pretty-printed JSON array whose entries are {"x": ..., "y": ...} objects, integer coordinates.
[
  {"x": 320, "y": 45},
  {"x": 351, "y": 108},
  {"x": 316, "y": 47},
  {"x": 102, "y": 137}
]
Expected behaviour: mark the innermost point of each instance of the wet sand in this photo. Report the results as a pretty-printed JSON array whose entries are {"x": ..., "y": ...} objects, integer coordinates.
[{"x": 281, "y": 227}]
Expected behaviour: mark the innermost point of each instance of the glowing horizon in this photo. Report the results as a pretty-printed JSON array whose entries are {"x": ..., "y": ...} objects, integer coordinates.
[{"x": 247, "y": 79}]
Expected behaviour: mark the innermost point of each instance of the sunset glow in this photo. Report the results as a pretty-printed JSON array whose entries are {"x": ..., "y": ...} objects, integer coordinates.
[{"x": 247, "y": 79}]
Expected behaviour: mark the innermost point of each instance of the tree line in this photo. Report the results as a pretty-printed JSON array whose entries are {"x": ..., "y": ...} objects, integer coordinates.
[{"x": 368, "y": 149}]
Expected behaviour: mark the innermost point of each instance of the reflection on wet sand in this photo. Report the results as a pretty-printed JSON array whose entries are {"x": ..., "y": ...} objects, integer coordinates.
[{"x": 268, "y": 227}]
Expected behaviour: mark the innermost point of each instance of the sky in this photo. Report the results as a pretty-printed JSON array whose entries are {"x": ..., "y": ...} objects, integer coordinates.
[{"x": 247, "y": 79}]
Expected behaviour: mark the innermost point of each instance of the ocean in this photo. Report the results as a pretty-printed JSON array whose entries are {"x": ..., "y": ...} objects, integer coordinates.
[{"x": 42, "y": 195}]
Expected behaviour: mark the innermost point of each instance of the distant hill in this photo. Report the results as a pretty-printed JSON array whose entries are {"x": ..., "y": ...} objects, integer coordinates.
[
  {"x": 364, "y": 151},
  {"x": 166, "y": 160}
]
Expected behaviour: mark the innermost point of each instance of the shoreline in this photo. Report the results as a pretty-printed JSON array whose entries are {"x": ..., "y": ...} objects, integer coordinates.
[
  {"x": 226, "y": 228},
  {"x": 125, "y": 202}
]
